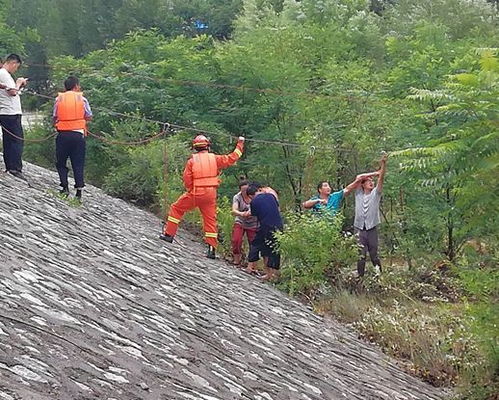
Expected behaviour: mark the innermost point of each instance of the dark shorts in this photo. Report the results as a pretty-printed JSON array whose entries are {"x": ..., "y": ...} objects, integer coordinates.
[{"x": 264, "y": 245}]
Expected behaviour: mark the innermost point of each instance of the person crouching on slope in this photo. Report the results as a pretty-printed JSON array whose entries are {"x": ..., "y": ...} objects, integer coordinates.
[
  {"x": 265, "y": 207},
  {"x": 201, "y": 181}
]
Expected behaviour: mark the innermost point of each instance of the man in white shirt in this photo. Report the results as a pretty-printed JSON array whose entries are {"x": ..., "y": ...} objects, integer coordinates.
[{"x": 10, "y": 115}]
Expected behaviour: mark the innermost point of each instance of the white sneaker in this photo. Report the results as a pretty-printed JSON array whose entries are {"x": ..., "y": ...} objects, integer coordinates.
[{"x": 377, "y": 270}]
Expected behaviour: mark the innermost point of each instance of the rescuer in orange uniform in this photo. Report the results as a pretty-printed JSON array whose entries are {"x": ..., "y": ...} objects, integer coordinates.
[
  {"x": 71, "y": 113},
  {"x": 201, "y": 181}
]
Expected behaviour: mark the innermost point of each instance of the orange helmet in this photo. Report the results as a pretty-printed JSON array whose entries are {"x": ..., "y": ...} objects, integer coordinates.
[{"x": 200, "y": 141}]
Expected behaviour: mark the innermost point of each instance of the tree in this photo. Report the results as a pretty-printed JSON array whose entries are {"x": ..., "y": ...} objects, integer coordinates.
[
  {"x": 461, "y": 165},
  {"x": 10, "y": 40}
]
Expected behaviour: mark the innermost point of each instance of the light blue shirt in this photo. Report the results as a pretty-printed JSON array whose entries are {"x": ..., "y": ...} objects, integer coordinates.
[{"x": 333, "y": 203}]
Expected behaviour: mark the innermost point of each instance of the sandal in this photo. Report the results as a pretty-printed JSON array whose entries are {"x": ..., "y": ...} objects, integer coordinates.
[{"x": 252, "y": 272}]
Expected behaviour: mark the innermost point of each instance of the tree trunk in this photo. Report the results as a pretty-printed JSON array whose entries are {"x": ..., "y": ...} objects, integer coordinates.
[
  {"x": 451, "y": 251},
  {"x": 296, "y": 190}
]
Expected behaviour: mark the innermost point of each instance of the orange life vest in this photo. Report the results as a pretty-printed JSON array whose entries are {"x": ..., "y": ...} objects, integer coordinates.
[
  {"x": 70, "y": 111},
  {"x": 204, "y": 170}
]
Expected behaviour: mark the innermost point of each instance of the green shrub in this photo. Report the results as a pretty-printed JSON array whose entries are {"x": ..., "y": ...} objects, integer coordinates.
[
  {"x": 40, "y": 153},
  {"x": 149, "y": 174},
  {"x": 225, "y": 221},
  {"x": 316, "y": 254},
  {"x": 481, "y": 281},
  {"x": 138, "y": 179}
]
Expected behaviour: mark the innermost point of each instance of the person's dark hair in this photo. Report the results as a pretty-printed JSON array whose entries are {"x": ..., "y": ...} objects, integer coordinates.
[
  {"x": 319, "y": 185},
  {"x": 253, "y": 188},
  {"x": 13, "y": 57},
  {"x": 71, "y": 82},
  {"x": 243, "y": 183}
]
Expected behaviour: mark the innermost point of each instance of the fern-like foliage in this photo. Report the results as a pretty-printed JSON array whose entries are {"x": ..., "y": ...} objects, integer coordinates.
[{"x": 463, "y": 162}]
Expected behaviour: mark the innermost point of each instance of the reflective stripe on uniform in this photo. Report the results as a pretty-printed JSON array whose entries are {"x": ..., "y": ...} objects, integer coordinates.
[
  {"x": 173, "y": 219},
  {"x": 238, "y": 152},
  {"x": 211, "y": 234}
]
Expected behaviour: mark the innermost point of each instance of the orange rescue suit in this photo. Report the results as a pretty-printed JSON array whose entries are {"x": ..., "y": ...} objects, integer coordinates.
[
  {"x": 70, "y": 111},
  {"x": 201, "y": 181}
]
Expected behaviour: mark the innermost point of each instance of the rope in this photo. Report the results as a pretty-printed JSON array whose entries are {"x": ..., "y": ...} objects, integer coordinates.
[
  {"x": 276, "y": 142},
  {"x": 182, "y": 127},
  {"x": 101, "y": 138},
  {"x": 4, "y": 129},
  {"x": 186, "y": 128},
  {"x": 132, "y": 143}
]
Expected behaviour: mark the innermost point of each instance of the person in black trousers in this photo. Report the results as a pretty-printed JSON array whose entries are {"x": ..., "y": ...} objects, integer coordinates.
[
  {"x": 71, "y": 113},
  {"x": 10, "y": 115}
]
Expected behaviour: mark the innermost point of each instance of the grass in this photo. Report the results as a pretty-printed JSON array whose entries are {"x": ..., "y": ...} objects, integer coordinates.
[
  {"x": 71, "y": 201},
  {"x": 431, "y": 340}
]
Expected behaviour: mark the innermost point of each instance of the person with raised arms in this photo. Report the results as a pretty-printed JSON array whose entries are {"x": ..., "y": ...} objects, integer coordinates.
[
  {"x": 326, "y": 202},
  {"x": 367, "y": 202},
  {"x": 201, "y": 179}
]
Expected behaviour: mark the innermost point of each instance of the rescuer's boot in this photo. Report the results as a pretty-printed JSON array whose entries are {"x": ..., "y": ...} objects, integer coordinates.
[
  {"x": 211, "y": 252},
  {"x": 166, "y": 238}
]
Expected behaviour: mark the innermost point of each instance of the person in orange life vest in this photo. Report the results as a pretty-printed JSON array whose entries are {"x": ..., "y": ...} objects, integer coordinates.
[
  {"x": 201, "y": 181},
  {"x": 71, "y": 113}
]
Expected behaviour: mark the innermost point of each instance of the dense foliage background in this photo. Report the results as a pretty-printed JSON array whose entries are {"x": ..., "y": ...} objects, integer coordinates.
[{"x": 341, "y": 81}]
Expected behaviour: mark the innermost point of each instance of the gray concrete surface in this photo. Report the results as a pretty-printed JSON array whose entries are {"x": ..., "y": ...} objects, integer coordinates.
[{"x": 94, "y": 306}]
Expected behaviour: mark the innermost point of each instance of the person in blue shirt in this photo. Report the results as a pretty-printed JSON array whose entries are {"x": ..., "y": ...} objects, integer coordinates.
[
  {"x": 327, "y": 203},
  {"x": 265, "y": 207}
]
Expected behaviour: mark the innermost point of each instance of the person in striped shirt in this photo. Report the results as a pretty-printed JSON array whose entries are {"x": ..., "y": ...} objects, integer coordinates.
[
  {"x": 367, "y": 201},
  {"x": 244, "y": 223}
]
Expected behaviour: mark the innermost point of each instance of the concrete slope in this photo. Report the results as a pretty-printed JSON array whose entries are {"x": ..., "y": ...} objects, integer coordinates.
[{"x": 94, "y": 306}]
